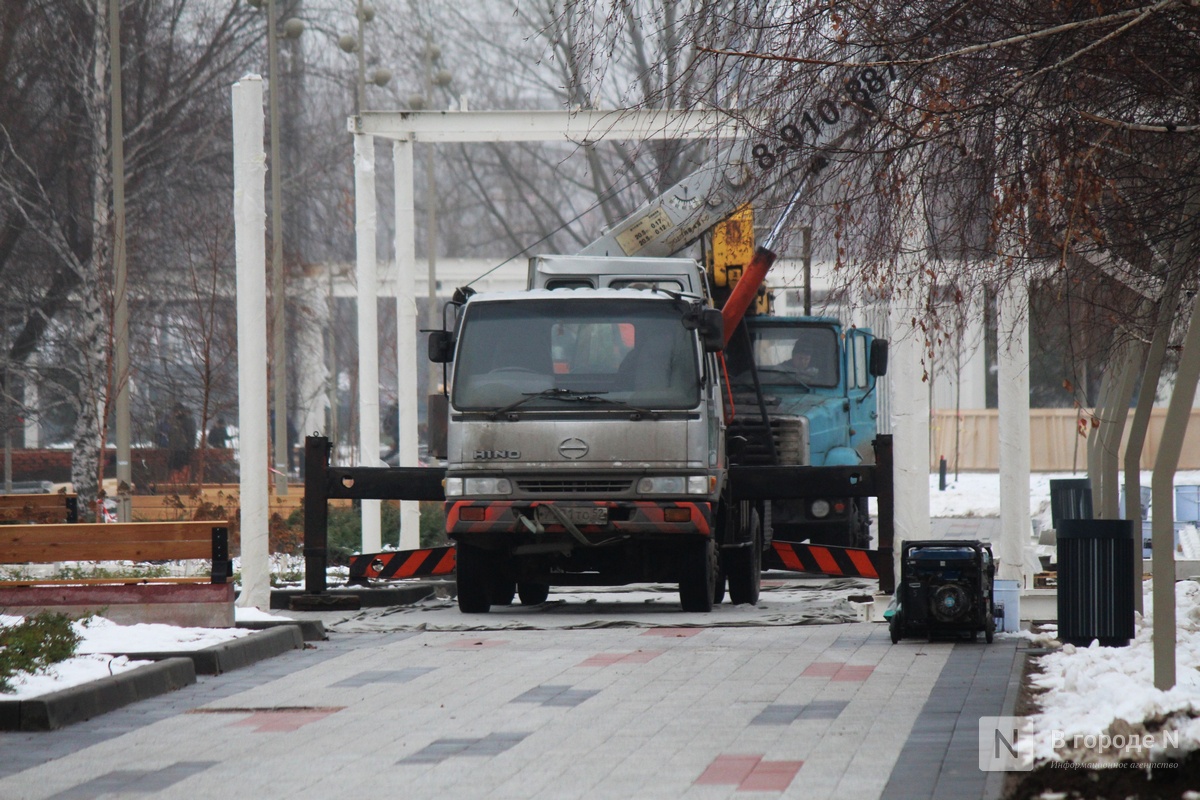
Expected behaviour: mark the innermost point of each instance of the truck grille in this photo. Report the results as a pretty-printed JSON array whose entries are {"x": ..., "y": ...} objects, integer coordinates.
[
  {"x": 789, "y": 433},
  {"x": 572, "y": 486}
]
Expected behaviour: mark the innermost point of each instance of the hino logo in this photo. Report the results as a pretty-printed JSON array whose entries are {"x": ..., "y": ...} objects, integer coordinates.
[
  {"x": 573, "y": 449},
  {"x": 494, "y": 454}
]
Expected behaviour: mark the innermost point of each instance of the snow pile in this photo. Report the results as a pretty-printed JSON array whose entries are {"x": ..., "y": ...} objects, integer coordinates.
[
  {"x": 1100, "y": 705},
  {"x": 102, "y": 639}
]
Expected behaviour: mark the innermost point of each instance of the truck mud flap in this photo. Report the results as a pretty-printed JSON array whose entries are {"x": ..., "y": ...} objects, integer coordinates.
[
  {"x": 823, "y": 560},
  {"x": 400, "y": 564}
]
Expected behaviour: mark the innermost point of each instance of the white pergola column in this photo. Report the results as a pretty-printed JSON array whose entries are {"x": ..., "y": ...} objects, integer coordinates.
[
  {"x": 250, "y": 224},
  {"x": 406, "y": 332},
  {"x": 909, "y": 407},
  {"x": 1013, "y": 377},
  {"x": 368, "y": 331}
]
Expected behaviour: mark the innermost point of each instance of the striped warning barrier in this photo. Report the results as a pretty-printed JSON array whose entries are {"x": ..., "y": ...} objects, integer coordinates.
[
  {"x": 403, "y": 564},
  {"x": 824, "y": 560}
]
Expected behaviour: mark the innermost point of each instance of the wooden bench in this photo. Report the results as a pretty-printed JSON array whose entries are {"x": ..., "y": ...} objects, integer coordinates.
[
  {"x": 206, "y": 601},
  {"x": 38, "y": 508}
]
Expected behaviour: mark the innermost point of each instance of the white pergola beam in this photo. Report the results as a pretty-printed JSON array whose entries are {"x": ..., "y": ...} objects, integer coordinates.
[{"x": 578, "y": 127}]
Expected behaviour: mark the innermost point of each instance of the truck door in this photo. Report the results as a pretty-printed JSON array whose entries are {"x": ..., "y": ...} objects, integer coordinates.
[{"x": 859, "y": 390}]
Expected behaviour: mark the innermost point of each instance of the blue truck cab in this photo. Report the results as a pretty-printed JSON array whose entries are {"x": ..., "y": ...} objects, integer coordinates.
[{"x": 802, "y": 391}]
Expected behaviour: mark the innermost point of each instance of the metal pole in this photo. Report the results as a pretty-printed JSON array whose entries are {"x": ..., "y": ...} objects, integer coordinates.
[
  {"x": 431, "y": 202},
  {"x": 120, "y": 294},
  {"x": 278, "y": 306},
  {"x": 360, "y": 95},
  {"x": 807, "y": 255}
]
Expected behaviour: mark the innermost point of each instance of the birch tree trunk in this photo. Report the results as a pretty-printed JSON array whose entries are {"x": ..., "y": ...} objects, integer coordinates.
[{"x": 93, "y": 329}]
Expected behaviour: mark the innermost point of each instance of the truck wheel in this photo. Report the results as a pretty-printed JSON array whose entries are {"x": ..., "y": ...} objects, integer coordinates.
[
  {"x": 533, "y": 593},
  {"x": 473, "y": 583},
  {"x": 745, "y": 567},
  {"x": 502, "y": 590},
  {"x": 698, "y": 584}
]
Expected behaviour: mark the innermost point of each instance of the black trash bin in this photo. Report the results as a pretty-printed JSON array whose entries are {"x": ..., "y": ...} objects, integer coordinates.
[{"x": 1095, "y": 581}]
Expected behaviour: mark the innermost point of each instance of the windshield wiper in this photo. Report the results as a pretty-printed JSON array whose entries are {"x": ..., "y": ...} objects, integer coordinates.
[
  {"x": 555, "y": 394},
  {"x": 569, "y": 396}
]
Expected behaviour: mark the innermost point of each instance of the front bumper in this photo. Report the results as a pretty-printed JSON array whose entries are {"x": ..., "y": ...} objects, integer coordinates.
[{"x": 638, "y": 518}]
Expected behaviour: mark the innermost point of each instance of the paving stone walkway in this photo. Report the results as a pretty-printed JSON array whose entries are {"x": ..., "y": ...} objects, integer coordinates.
[{"x": 823, "y": 711}]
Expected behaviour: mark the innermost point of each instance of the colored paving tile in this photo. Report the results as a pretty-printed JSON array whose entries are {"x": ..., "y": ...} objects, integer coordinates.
[
  {"x": 556, "y": 696},
  {"x": 283, "y": 720},
  {"x": 779, "y": 714},
  {"x": 837, "y": 671},
  {"x": 674, "y": 633},
  {"x": 134, "y": 781},
  {"x": 608, "y": 659},
  {"x": 383, "y": 676},
  {"x": 749, "y": 773},
  {"x": 441, "y": 749}
]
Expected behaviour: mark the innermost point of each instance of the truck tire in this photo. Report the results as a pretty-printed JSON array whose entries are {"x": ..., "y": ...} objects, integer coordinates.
[
  {"x": 502, "y": 590},
  {"x": 532, "y": 593},
  {"x": 698, "y": 583},
  {"x": 745, "y": 567},
  {"x": 474, "y": 595}
]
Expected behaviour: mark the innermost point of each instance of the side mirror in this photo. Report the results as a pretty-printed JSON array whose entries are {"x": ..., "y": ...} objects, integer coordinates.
[
  {"x": 712, "y": 330},
  {"x": 441, "y": 347},
  {"x": 878, "y": 361}
]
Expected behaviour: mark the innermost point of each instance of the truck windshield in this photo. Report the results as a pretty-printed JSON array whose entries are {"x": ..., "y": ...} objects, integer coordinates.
[
  {"x": 786, "y": 355},
  {"x": 603, "y": 353}
]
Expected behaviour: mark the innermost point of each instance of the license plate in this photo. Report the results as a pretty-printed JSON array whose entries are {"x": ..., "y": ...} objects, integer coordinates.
[{"x": 579, "y": 515}]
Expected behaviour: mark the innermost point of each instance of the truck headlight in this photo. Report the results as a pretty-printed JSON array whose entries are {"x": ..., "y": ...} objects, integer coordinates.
[
  {"x": 457, "y": 487},
  {"x": 820, "y": 508},
  {"x": 473, "y": 486},
  {"x": 674, "y": 484}
]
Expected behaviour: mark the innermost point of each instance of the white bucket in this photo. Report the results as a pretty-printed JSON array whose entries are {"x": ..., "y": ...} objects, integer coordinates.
[{"x": 1008, "y": 594}]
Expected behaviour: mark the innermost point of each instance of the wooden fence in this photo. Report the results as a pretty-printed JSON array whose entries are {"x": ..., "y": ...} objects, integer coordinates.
[
  {"x": 970, "y": 441},
  {"x": 181, "y": 502}
]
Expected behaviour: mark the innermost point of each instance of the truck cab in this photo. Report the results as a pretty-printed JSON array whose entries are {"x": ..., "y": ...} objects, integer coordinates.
[
  {"x": 801, "y": 389},
  {"x": 586, "y": 440}
]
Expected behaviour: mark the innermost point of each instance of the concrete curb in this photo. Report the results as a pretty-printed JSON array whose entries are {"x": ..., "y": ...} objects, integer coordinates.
[
  {"x": 236, "y": 653},
  {"x": 313, "y": 630},
  {"x": 79, "y": 703},
  {"x": 396, "y": 594}
]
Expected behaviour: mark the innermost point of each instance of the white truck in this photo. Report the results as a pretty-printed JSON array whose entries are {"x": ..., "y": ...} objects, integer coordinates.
[{"x": 586, "y": 438}]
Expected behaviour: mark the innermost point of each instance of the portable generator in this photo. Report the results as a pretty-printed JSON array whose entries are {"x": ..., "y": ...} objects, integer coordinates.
[{"x": 945, "y": 589}]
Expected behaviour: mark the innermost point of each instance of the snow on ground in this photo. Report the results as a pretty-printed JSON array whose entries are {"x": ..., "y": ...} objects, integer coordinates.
[
  {"x": 101, "y": 638},
  {"x": 1100, "y": 705}
]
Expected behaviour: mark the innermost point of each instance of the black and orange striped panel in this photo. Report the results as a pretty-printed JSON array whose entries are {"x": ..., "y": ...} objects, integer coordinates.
[
  {"x": 403, "y": 564},
  {"x": 824, "y": 560}
]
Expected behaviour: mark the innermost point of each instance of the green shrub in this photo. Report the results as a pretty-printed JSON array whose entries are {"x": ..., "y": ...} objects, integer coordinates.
[{"x": 35, "y": 644}]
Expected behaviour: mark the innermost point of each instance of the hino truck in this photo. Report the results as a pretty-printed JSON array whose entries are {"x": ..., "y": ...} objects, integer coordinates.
[{"x": 586, "y": 437}]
